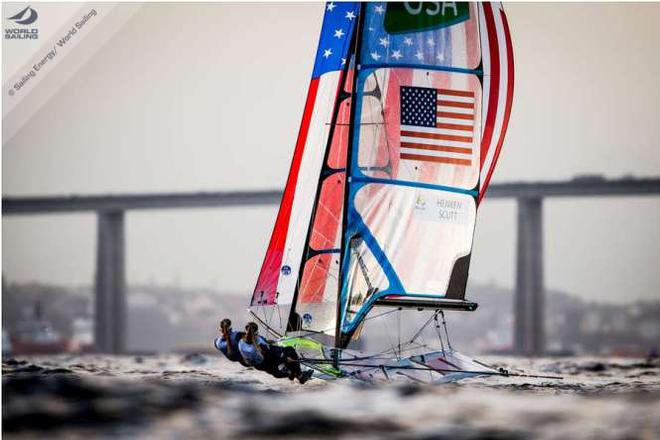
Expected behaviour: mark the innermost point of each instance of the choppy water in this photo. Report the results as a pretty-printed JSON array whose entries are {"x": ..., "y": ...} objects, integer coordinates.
[{"x": 204, "y": 396}]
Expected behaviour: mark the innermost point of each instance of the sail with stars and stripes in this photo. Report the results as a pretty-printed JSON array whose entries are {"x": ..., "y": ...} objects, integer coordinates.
[
  {"x": 404, "y": 120},
  {"x": 298, "y": 282},
  {"x": 432, "y": 97}
]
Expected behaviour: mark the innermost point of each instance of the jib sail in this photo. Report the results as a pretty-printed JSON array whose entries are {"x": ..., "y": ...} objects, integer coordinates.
[{"x": 298, "y": 282}]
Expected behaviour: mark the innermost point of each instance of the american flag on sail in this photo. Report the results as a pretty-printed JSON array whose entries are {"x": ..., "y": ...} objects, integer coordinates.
[{"x": 437, "y": 125}]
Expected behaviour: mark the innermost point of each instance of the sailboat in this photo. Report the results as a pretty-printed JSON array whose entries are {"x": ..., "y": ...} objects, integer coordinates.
[{"x": 404, "y": 121}]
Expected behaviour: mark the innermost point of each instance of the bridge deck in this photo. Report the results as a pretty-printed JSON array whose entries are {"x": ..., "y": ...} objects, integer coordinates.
[{"x": 126, "y": 202}]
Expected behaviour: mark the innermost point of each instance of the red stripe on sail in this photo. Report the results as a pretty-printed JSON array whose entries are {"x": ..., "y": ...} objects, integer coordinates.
[
  {"x": 436, "y": 148},
  {"x": 493, "y": 50},
  {"x": 455, "y": 104},
  {"x": 265, "y": 292},
  {"x": 509, "y": 102},
  {"x": 463, "y": 93},
  {"x": 448, "y": 160},
  {"x": 455, "y": 116},
  {"x": 455, "y": 126},
  {"x": 444, "y": 137}
]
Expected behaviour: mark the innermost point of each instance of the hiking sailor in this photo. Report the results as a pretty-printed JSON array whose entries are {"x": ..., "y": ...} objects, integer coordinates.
[
  {"x": 227, "y": 342},
  {"x": 278, "y": 361}
]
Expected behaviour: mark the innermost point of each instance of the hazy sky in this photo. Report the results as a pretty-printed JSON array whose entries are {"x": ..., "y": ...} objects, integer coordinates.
[{"x": 188, "y": 97}]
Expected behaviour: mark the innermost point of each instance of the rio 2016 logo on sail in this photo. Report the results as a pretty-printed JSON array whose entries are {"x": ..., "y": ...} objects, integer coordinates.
[{"x": 23, "y": 18}]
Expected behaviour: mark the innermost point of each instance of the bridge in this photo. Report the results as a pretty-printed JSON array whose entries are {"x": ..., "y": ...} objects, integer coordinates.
[{"x": 110, "y": 280}]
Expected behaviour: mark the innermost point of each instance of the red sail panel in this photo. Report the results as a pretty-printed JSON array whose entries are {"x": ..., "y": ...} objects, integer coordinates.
[
  {"x": 337, "y": 154},
  {"x": 313, "y": 286},
  {"x": 325, "y": 238},
  {"x": 328, "y": 214}
]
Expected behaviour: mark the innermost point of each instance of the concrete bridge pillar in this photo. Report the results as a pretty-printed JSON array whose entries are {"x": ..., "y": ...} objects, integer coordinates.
[
  {"x": 110, "y": 284},
  {"x": 529, "y": 330}
]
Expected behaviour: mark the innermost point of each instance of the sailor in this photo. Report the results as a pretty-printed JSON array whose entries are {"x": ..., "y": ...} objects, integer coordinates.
[
  {"x": 228, "y": 341},
  {"x": 278, "y": 361}
]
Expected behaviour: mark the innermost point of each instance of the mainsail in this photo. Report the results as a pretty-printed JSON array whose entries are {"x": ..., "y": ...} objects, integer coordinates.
[
  {"x": 411, "y": 101},
  {"x": 433, "y": 93}
]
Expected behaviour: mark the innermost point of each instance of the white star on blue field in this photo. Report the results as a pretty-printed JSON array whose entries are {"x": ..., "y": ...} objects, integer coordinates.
[
  {"x": 338, "y": 24},
  {"x": 430, "y": 47}
]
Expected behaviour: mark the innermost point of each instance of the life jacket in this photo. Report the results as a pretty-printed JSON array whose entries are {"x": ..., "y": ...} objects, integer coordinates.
[
  {"x": 221, "y": 344},
  {"x": 251, "y": 354}
]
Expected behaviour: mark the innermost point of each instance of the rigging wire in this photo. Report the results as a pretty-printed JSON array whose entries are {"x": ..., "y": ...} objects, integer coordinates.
[
  {"x": 398, "y": 319},
  {"x": 411, "y": 345},
  {"x": 363, "y": 267},
  {"x": 404, "y": 350},
  {"x": 421, "y": 329},
  {"x": 398, "y": 349},
  {"x": 279, "y": 313},
  {"x": 388, "y": 333},
  {"x": 444, "y": 324},
  {"x": 437, "y": 330}
]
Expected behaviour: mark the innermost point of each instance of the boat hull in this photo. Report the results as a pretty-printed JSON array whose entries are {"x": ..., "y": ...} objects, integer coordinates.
[{"x": 440, "y": 366}]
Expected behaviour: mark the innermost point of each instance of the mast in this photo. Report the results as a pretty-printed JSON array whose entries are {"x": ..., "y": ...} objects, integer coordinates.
[{"x": 340, "y": 340}]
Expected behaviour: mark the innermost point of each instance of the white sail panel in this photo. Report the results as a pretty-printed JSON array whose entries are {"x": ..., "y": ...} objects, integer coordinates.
[
  {"x": 421, "y": 233},
  {"x": 304, "y": 199}
]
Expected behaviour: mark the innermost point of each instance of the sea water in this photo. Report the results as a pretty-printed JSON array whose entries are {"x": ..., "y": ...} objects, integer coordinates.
[{"x": 205, "y": 396}]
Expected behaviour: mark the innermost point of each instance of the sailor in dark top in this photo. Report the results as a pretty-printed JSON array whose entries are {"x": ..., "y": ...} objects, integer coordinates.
[
  {"x": 278, "y": 361},
  {"x": 227, "y": 343}
]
